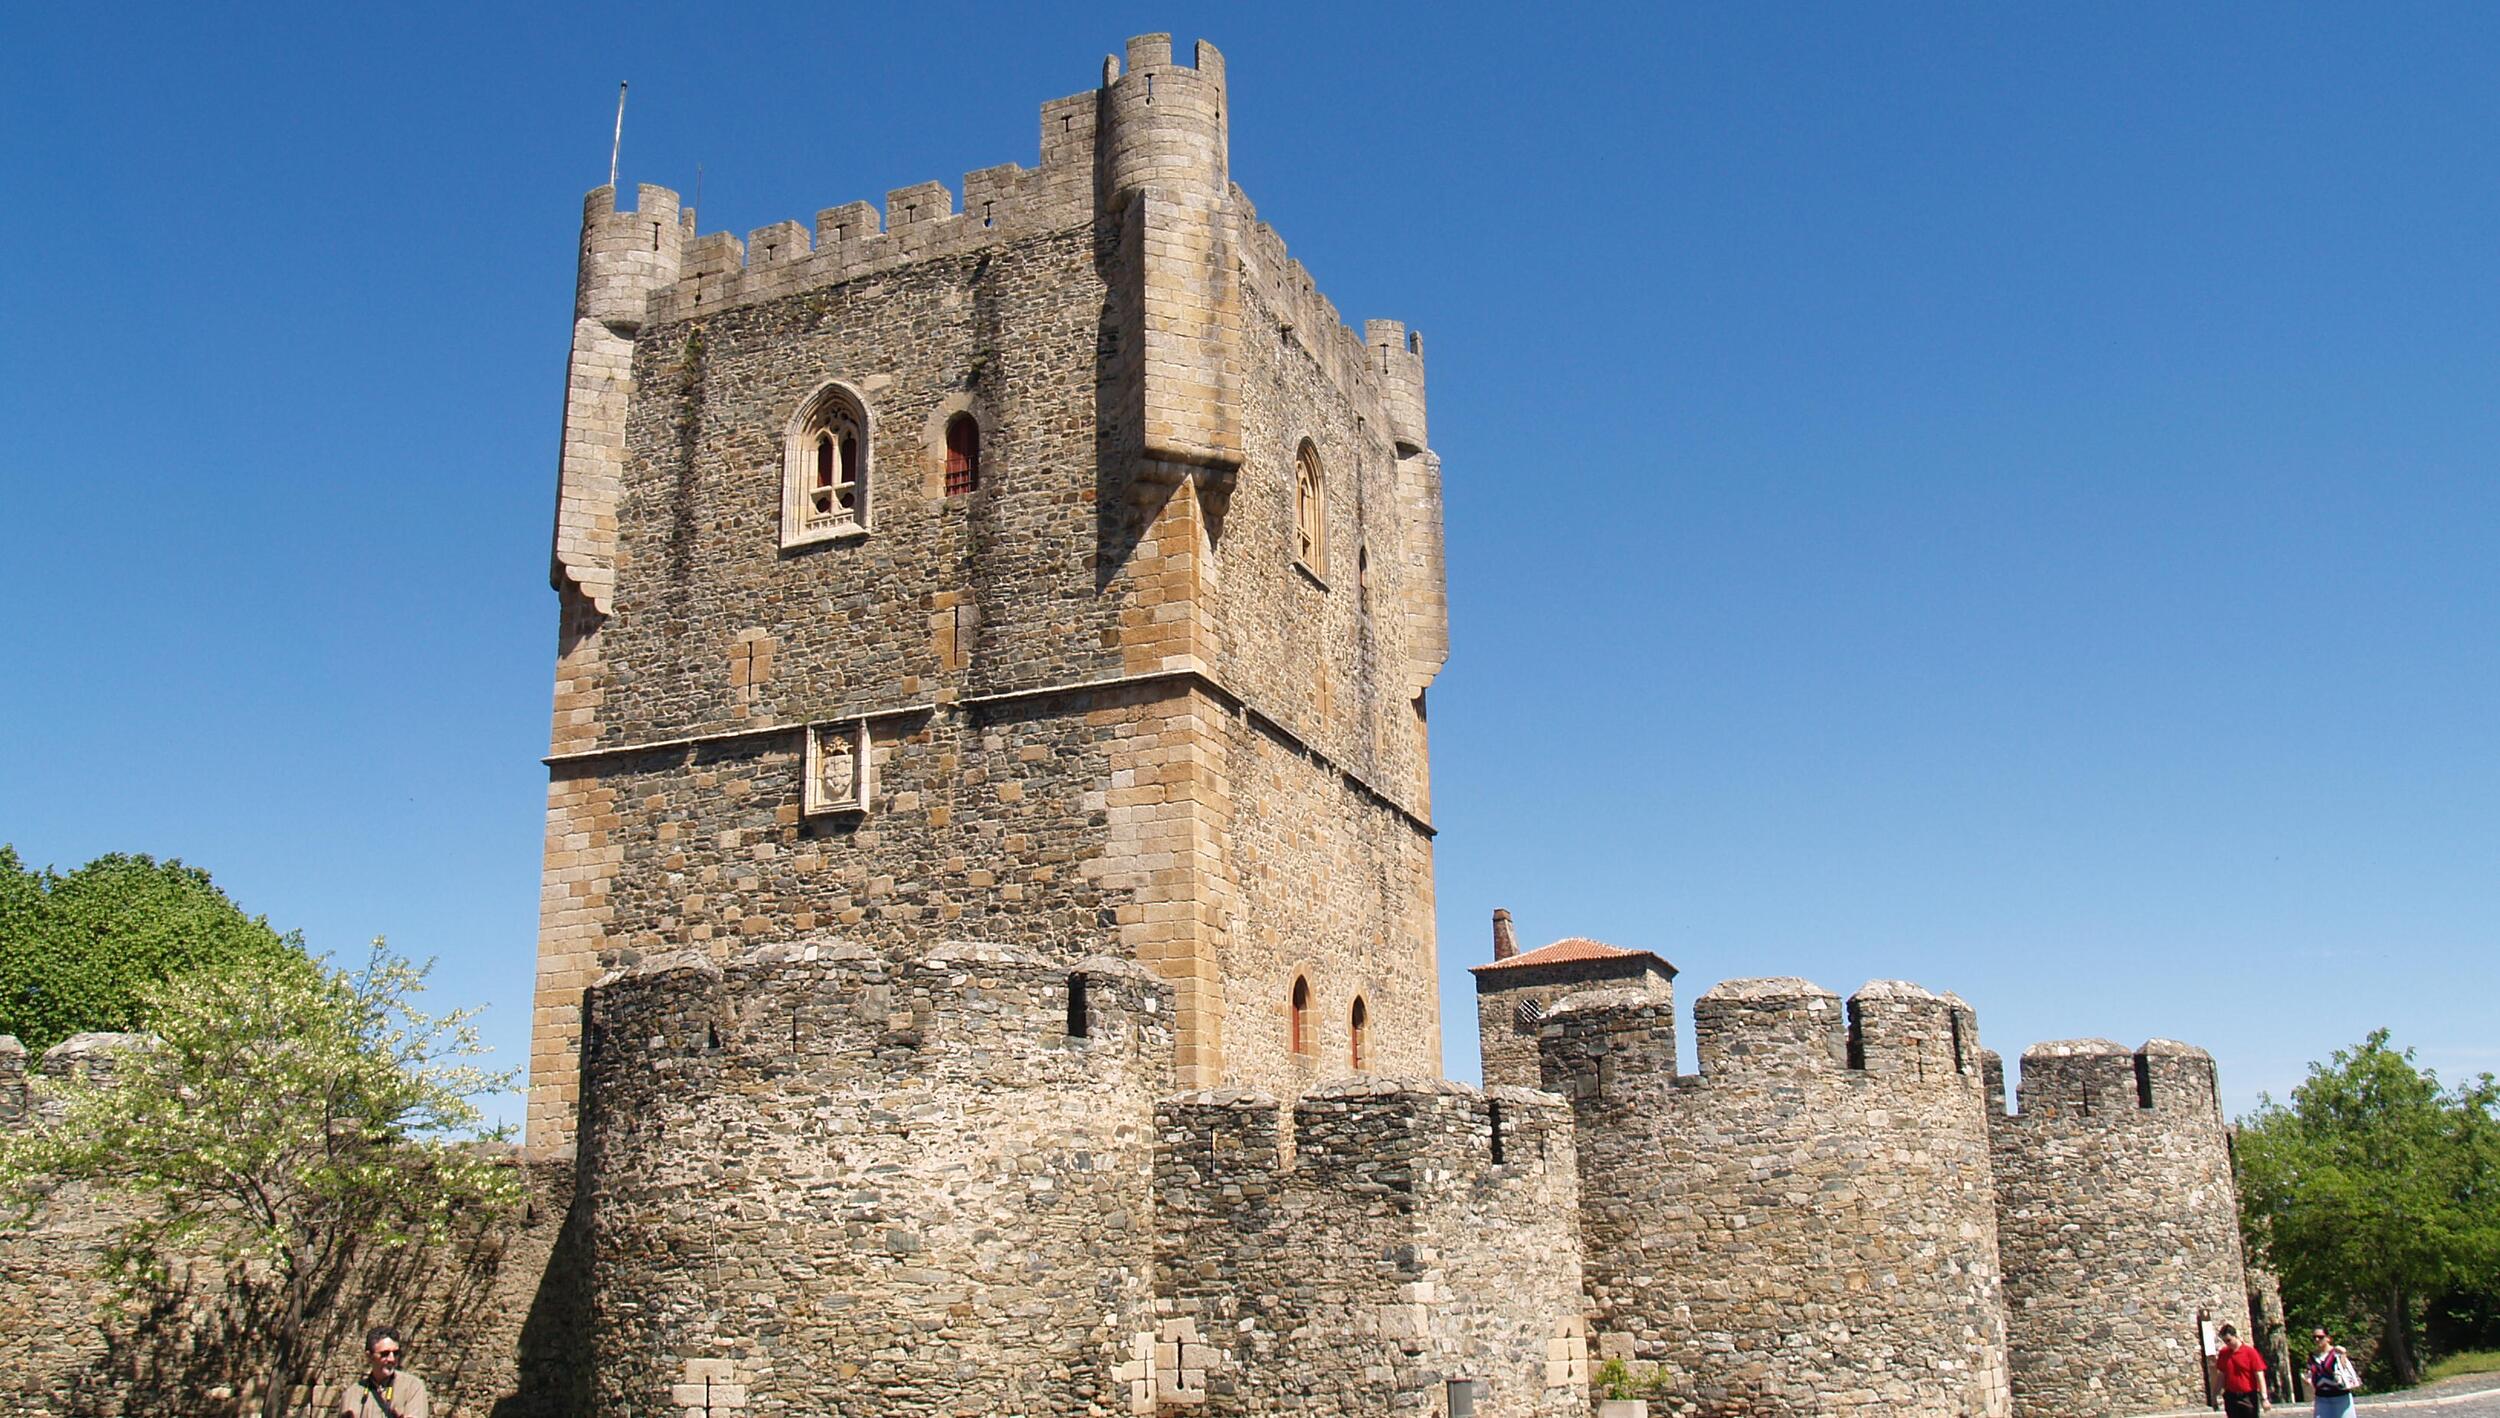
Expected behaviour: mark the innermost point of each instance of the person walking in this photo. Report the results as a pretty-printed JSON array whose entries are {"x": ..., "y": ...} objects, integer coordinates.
[
  {"x": 386, "y": 1391},
  {"x": 2243, "y": 1372},
  {"x": 2331, "y": 1378}
]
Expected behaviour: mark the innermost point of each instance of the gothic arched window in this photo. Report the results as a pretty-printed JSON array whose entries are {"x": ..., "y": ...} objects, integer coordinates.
[
  {"x": 1310, "y": 510},
  {"x": 825, "y": 469},
  {"x": 1299, "y": 1028},
  {"x": 1359, "y": 1035}
]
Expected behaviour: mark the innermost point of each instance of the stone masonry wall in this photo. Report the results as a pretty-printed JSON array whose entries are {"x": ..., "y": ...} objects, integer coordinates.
[
  {"x": 1125, "y": 552},
  {"x": 1405, "y": 1235},
  {"x": 819, "y": 1183},
  {"x": 479, "y": 1324},
  {"x": 1807, "y": 1225},
  {"x": 2119, "y": 1223},
  {"x": 1511, "y": 1005}
]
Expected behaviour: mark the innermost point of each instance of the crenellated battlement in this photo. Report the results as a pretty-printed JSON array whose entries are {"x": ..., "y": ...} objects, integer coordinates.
[
  {"x": 1829, "y": 1156},
  {"x": 1374, "y": 1137},
  {"x": 682, "y": 1012},
  {"x": 1380, "y": 367},
  {"x": 629, "y": 255},
  {"x": 1376, "y": 1239},
  {"x": 855, "y": 239},
  {"x": 1155, "y": 126},
  {"x": 1619, "y": 1043},
  {"x": 2117, "y": 1214},
  {"x": 1769, "y": 1027},
  {"x": 2102, "y": 1083}
]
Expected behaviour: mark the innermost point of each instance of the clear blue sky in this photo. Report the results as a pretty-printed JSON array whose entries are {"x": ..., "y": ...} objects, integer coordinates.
[{"x": 2001, "y": 497}]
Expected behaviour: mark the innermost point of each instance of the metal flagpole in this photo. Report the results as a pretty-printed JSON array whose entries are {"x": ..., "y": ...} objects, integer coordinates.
[{"x": 618, "y": 144}]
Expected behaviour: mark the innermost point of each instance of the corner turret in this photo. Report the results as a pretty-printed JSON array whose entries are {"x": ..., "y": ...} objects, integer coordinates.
[
  {"x": 628, "y": 255},
  {"x": 627, "y": 258},
  {"x": 1162, "y": 177},
  {"x": 1399, "y": 357}
]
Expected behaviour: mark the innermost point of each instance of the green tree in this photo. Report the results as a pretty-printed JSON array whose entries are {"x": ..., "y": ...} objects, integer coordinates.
[
  {"x": 77, "y": 950},
  {"x": 287, "y": 1120},
  {"x": 2375, "y": 1190}
]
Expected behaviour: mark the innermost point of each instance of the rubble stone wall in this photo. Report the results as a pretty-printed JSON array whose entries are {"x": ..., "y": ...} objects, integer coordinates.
[
  {"x": 1396, "y": 1238},
  {"x": 478, "y": 1322},
  {"x": 819, "y": 1183},
  {"x": 1807, "y": 1224},
  {"x": 2118, "y": 1220}
]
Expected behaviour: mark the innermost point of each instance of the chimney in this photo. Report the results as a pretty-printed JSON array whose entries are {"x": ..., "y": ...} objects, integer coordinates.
[{"x": 1505, "y": 945}]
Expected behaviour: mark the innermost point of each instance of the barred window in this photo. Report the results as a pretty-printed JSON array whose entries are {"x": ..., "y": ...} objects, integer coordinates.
[{"x": 963, "y": 454}]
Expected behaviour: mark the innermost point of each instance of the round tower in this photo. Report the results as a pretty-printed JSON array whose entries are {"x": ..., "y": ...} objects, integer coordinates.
[
  {"x": 1398, "y": 355},
  {"x": 2118, "y": 1223},
  {"x": 627, "y": 255},
  {"x": 817, "y": 1180},
  {"x": 1807, "y": 1225},
  {"x": 1162, "y": 124}
]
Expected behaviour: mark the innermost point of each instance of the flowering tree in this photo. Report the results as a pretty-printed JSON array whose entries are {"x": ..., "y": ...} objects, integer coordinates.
[{"x": 286, "y": 1120}]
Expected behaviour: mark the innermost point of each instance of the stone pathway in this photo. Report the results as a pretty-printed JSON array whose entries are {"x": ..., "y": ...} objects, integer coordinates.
[{"x": 2473, "y": 1396}]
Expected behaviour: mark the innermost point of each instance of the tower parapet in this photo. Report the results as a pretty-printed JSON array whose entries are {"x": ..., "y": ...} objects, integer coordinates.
[
  {"x": 1397, "y": 1237},
  {"x": 1169, "y": 253},
  {"x": 1513, "y": 992},
  {"x": 1825, "y": 1163},
  {"x": 2118, "y": 1221},
  {"x": 813, "y": 1159},
  {"x": 1400, "y": 357},
  {"x": 628, "y": 255}
]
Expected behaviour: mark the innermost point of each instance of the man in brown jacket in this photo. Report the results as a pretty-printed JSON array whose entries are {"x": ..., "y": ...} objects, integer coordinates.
[{"x": 384, "y": 1391}]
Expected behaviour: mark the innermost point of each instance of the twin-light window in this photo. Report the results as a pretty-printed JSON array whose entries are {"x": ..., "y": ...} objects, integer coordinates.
[
  {"x": 825, "y": 477},
  {"x": 829, "y": 483}
]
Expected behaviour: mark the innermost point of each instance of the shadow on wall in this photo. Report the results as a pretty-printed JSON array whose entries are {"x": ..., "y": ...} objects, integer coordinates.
[
  {"x": 190, "y": 1347},
  {"x": 554, "y": 1375}
]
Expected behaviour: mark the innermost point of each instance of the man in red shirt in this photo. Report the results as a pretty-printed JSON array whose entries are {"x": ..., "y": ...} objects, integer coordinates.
[{"x": 2243, "y": 1375}]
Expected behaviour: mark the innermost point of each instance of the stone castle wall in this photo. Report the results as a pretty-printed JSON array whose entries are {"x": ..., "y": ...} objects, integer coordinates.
[
  {"x": 1807, "y": 1224},
  {"x": 1397, "y": 1237},
  {"x": 1513, "y": 1000},
  {"x": 822, "y": 1183},
  {"x": 1076, "y": 674},
  {"x": 2119, "y": 1223},
  {"x": 479, "y": 1321}
]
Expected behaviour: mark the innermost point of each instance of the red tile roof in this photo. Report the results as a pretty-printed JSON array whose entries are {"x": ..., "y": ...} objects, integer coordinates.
[{"x": 1563, "y": 952}]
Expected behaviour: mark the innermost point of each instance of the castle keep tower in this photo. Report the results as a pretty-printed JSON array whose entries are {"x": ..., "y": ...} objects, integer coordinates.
[{"x": 1058, "y": 571}]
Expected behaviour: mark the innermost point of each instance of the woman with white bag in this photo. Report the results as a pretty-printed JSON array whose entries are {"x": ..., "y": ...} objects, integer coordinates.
[{"x": 2331, "y": 1378}]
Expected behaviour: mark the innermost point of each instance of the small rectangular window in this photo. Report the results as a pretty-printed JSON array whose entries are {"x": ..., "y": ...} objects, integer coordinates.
[{"x": 1077, "y": 1020}]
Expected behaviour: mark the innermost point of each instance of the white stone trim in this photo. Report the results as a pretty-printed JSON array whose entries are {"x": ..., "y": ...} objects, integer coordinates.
[
  {"x": 839, "y": 772},
  {"x": 799, "y": 526}
]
